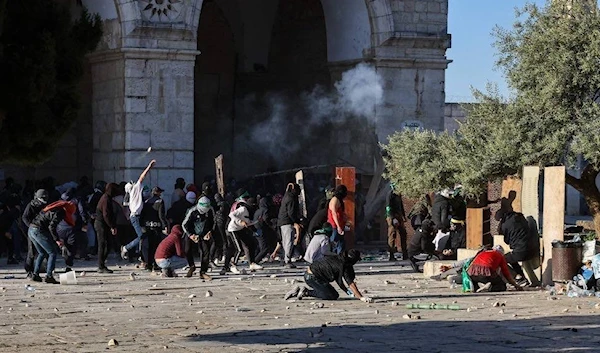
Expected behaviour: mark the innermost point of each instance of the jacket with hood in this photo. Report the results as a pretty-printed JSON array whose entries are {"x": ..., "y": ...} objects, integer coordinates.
[
  {"x": 517, "y": 235},
  {"x": 154, "y": 211},
  {"x": 239, "y": 214},
  {"x": 105, "y": 210},
  {"x": 171, "y": 245},
  {"x": 261, "y": 216},
  {"x": 33, "y": 208},
  {"x": 222, "y": 211},
  {"x": 52, "y": 215},
  {"x": 177, "y": 212},
  {"x": 289, "y": 212},
  {"x": 440, "y": 211},
  {"x": 199, "y": 220}
]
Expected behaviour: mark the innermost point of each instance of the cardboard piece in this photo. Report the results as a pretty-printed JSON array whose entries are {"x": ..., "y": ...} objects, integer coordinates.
[
  {"x": 347, "y": 176},
  {"x": 478, "y": 226},
  {"x": 554, "y": 216}
]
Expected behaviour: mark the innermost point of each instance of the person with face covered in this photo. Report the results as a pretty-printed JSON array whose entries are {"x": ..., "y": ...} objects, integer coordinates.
[
  {"x": 336, "y": 216},
  {"x": 105, "y": 224},
  {"x": 221, "y": 240},
  {"x": 198, "y": 226},
  {"x": 33, "y": 208},
  {"x": 44, "y": 236},
  {"x": 289, "y": 222},
  {"x": 322, "y": 272}
]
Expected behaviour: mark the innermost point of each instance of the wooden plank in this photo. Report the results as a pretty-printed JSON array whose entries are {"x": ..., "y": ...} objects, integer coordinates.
[
  {"x": 347, "y": 176},
  {"x": 474, "y": 228},
  {"x": 511, "y": 194},
  {"x": 554, "y": 216},
  {"x": 302, "y": 196},
  {"x": 530, "y": 200},
  {"x": 219, "y": 174}
]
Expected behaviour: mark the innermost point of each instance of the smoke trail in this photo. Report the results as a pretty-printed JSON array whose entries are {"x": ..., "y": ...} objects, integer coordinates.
[{"x": 287, "y": 123}]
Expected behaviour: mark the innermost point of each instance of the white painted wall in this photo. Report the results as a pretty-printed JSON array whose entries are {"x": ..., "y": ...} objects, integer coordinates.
[
  {"x": 348, "y": 29},
  {"x": 105, "y": 8}
]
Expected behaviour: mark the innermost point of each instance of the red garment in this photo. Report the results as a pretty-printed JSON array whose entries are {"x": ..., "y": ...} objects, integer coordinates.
[
  {"x": 341, "y": 216},
  {"x": 67, "y": 206},
  {"x": 491, "y": 260},
  {"x": 171, "y": 245}
]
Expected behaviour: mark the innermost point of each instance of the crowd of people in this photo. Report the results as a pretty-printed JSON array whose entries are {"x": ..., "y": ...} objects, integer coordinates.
[{"x": 79, "y": 221}]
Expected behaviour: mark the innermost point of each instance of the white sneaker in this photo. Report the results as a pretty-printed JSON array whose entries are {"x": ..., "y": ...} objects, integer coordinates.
[
  {"x": 254, "y": 267},
  {"x": 124, "y": 253},
  {"x": 484, "y": 287},
  {"x": 234, "y": 269}
]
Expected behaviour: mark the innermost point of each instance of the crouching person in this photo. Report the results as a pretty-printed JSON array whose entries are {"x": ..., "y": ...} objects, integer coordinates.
[
  {"x": 332, "y": 268},
  {"x": 486, "y": 271},
  {"x": 170, "y": 254}
]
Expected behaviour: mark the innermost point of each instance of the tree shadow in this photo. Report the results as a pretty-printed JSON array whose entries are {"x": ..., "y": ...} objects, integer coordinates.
[{"x": 548, "y": 334}]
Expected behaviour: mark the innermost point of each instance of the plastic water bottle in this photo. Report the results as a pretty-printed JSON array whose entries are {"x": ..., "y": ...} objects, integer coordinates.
[{"x": 29, "y": 291}]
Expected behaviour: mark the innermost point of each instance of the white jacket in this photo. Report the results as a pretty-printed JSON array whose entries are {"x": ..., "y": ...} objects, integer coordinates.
[{"x": 237, "y": 216}]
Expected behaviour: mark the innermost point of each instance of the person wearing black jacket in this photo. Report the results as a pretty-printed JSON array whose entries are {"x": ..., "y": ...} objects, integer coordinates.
[
  {"x": 105, "y": 224},
  {"x": 176, "y": 213},
  {"x": 421, "y": 242},
  {"x": 99, "y": 189},
  {"x": 522, "y": 241},
  {"x": 44, "y": 236},
  {"x": 330, "y": 269},
  {"x": 440, "y": 210},
  {"x": 155, "y": 221},
  {"x": 289, "y": 222},
  {"x": 320, "y": 217},
  {"x": 221, "y": 216},
  {"x": 33, "y": 208},
  {"x": 264, "y": 233},
  {"x": 198, "y": 226}
]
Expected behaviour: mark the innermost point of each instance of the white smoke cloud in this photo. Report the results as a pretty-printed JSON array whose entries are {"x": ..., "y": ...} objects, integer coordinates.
[{"x": 290, "y": 121}]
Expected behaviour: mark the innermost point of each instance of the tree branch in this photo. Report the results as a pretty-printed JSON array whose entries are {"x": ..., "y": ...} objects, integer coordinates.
[{"x": 576, "y": 183}]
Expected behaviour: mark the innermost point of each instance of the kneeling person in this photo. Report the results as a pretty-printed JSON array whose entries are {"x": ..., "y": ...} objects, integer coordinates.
[
  {"x": 170, "y": 254},
  {"x": 487, "y": 268},
  {"x": 320, "y": 274}
]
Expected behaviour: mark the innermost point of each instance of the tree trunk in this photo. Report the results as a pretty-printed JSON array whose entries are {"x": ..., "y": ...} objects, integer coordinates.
[{"x": 586, "y": 185}]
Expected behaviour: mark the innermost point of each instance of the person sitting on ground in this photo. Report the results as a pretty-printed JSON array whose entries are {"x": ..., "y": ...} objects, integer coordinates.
[
  {"x": 44, "y": 236},
  {"x": 421, "y": 243},
  {"x": 319, "y": 246},
  {"x": 487, "y": 269},
  {"x": 170, "y": 254},
  {"x": 523, "y": 242},
  {"x": 420, "y": 212},
  {"x": 321, "y": 273},
  {"x": 458, "y": 238}
]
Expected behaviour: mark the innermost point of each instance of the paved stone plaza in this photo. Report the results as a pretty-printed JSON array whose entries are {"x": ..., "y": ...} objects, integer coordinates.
[{"x": 246, "y": 313}]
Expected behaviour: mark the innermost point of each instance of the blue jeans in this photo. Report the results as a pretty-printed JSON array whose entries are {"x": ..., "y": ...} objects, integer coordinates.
[
  {"x": 91, "y": 234},
  {"x": 135, "y": 243},
  {"x": 46, "y": 247},
  {"x": 173, "y": 262},
  {"x": 337, "y": 242}
]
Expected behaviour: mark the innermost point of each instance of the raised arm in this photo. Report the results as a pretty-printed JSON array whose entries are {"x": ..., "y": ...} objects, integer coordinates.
[{"x": 143, "y": 175}]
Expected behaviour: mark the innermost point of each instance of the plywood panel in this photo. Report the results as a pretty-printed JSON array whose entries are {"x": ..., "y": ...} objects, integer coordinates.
[
  {"x": 474, "y": 228},
  {"x": 347, "y": 176},
  {"x": 219, "y": 173},
  {"x": 530, "y": 201},
  {"x": 554, "y": 216},
  {"x": 511, "y": 194}
]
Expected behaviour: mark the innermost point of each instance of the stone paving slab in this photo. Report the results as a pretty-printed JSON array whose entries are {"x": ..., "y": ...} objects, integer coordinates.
[{"x": 246, "y": 313}]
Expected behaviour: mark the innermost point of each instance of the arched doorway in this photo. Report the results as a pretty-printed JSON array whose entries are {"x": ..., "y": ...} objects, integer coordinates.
[{"x": 252, "y": 51}]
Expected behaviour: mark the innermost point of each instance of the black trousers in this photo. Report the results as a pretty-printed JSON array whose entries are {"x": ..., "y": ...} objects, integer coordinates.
[
  {"x": 513, "y": 258},
  {"x": 244, "y": 241},
  {"x": 31, "y": 255},
  {"x": 105, "y": 241},
  {"x": 204, "y": 248},
  {"x": 497, "y": 282},
  {"x": 320, "y": 288},
  {"x": 153, "y": 237},
  {"x": 69, "y": 239},
  {"x": 217, "y": 246},
  {"x": 230, "y": 249}
]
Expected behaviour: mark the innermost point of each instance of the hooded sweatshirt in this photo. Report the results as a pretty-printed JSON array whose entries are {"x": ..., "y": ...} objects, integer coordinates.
[
  {"x": 238, "y": 215},
  {"x": 49, "y": 218},
  {"x": 105, "y": 210},
  {"x": 171, "y": 245}
]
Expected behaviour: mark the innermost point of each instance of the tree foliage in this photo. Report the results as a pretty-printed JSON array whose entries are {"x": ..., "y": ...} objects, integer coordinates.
[
  {"x": 41, "y": 64},
  {"x": 551, "y": 60}
]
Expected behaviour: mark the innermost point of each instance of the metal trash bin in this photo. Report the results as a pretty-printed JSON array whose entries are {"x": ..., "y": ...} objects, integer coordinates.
[{"x": 566, "y": 260}]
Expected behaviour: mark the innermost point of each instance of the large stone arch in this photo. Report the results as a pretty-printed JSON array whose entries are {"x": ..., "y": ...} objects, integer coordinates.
[{"x": 382, "y": 21}]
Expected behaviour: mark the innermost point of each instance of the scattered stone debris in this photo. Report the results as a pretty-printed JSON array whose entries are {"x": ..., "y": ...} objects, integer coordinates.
[
  {"x": 318, "y": 305},
  {"x": 262, "y": 296},
  {"x": 273, "y": 276},
  {"x": 132, "y": 276},
  {"x": 565, "y": 310},
  {"x": 113, "y": 343},
  {"x": 82, "y": 274},
  {"x": 501, "y": 311},
  {"x": 578, "y": 307},
  {"x": 192, "y": 296},
  {"x": 208, "y": 294}
]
